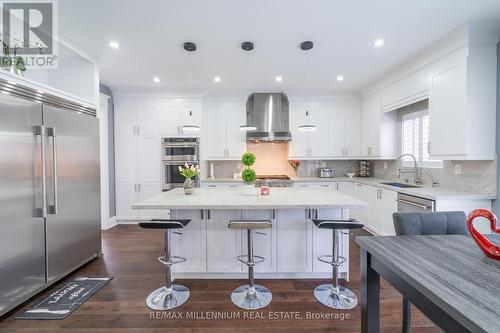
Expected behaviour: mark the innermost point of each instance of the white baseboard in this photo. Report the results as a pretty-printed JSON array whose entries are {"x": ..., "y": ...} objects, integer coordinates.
[
  {"x": 270, "y": 275},
  {"x": 110, "y": 223}
]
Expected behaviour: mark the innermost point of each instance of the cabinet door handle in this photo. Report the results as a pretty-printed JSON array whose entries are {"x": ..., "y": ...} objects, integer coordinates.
[
  {"x": 336, "y": 186},
  {"x": 209, "y": 216},
  {"x": 274, "y": 214},
  {"x": 202, "y": 215},
  {"x": 428, "y": 147},
  {"x": 138, "y": 130}
]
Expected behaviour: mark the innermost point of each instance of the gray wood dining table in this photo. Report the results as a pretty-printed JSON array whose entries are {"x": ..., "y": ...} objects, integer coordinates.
[{"x": 447, "y": 277}]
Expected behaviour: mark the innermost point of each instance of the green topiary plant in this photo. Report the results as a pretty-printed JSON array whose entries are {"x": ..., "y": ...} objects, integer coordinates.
[
  {"x": 248, "y": 175},
  {"x": 248, "y": 159}
]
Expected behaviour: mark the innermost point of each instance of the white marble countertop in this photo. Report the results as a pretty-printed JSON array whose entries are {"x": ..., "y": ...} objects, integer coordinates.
[
  {"x": 236, "y": 198},
  {"x": 433, "y": 193}
]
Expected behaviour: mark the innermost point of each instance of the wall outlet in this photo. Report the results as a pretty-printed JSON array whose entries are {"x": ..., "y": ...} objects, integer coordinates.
[
  {"x": 385, "y": 165},
  {"x": 458, "y": 169}
]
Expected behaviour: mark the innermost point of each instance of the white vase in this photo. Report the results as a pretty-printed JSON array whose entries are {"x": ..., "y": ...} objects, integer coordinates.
[{"x": 249, "y": 189}]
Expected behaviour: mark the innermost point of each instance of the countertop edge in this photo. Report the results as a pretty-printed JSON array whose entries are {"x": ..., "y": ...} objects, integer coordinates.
[{"x": 375, "y": 182}]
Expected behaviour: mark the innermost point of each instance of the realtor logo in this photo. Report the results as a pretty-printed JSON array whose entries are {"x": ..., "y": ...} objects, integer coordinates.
[{"x": 29, "y": 34}]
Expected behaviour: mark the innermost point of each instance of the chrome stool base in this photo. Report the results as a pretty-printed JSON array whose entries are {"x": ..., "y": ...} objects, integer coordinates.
[
  {"x": 163, "y": 299},
  {"x": 251, "y": 298},
  {"x": 335, "y": 297}
]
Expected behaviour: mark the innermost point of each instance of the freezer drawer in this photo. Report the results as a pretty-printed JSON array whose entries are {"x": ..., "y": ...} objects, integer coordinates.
[
  {"x": 22, "y": 252},
  {"x": 73, "y": 226}
]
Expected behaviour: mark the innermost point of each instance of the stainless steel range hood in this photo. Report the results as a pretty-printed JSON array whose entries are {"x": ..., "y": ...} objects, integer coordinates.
[{"x": 268, "y": 113}]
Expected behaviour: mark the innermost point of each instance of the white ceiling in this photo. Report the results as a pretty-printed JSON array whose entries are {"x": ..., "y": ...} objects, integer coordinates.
[{"x": 151, "y": 33}]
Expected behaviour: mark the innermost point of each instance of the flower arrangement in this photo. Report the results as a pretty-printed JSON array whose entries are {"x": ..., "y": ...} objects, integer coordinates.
[
  {"x": 295, "y": 164},
  {"x": 189, "y": 171},
  {"x": 248, "y": 175}
]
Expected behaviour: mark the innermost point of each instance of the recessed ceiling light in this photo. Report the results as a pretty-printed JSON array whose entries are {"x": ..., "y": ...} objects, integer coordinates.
[
  {"x": 114, "y": 45},
  {"x": 279, "y": 79},
  {"x": 217, "y": 79},
  {"x": 379, "y": 42},
  {"x": 340, "y": 78},
  {"x": 156, "y": 79}
]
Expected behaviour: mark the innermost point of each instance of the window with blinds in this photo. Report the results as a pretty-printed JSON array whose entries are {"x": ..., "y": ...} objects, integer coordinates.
[{"x": 415, "y": 139}]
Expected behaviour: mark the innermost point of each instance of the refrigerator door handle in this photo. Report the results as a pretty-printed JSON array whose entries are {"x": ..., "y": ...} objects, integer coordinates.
[
  {"x": 40, "y": 131},
  {"x": 51, "y": 132}
]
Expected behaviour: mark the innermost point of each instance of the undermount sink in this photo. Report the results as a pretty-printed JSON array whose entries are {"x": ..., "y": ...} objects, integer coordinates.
[{"x": 401, "y": 185}]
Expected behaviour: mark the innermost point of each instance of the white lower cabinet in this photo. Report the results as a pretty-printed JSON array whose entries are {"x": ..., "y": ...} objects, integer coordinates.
[
  {"x": 291, "y": 246},
  {"x": 378, "y": 217},
  {"x": 147, "y": 191},
  {"x": 223, "y": 244},
  {"x": 294, "y": 241},
  {"x": 389, "y": 207},
  {"x": 128, "y": 194},
  {"x": 192, "y": 243}
]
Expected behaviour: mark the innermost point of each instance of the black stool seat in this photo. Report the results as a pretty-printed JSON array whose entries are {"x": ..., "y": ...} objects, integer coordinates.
[
  {"x": 164, "y": 224},
  {"x": 337, "y": 224}
]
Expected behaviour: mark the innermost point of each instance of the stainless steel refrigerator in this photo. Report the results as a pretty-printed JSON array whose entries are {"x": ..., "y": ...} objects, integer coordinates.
[{"x": 49, "y": 193}]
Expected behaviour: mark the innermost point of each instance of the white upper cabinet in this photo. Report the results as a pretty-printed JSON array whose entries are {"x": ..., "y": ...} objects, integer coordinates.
[
  {"x": 215, "y": 132},
  {"x": 409, "y": 90},
  {"x": 299, "y": 146},
  {"x": 191, "y": 114},
  {"x": 337, "y": 130},
  {"x": 378, "y": 130},
  {"x": 177, "y": 113},
  {"x": 147, "y": 121},
  {"x": 318, "y": 139},
  {"x": 170, "y": 119},
  {"x": 447, "y": 112},
  {"x": 352, "y": 131},
  {"x": 222, "y": 135},
  {"x": 462, "y": 104},
  {"x": 236, "y": 138},
  {"x": 125, "y": 120},
  {"x": 345, "y": 131},
  {"x": 309, "y": 144}
]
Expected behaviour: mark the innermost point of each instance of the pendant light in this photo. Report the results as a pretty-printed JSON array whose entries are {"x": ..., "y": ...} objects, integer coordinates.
[
  {"x": 247, "y": 46},
  {"x": 190, "y": 47},
  {"x": 308, "y": 127}
]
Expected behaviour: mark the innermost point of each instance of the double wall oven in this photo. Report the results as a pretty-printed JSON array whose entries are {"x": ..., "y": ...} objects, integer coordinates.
[{"x": 177, "y": 152}]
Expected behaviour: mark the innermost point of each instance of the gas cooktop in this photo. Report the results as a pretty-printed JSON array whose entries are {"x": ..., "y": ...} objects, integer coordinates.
[
  {"x": 273, "y": 177},
  {"x": 274, "y": 181}
]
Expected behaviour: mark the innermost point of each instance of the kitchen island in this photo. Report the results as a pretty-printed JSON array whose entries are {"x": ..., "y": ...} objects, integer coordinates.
[{"x": 290, "y": 246}]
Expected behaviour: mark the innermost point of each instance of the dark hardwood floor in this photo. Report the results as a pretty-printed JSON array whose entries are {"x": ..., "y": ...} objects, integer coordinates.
[{"x": 130, "y": 257}]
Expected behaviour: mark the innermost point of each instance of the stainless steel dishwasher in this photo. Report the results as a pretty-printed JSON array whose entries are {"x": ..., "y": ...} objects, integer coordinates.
[{"x": 410, "y": 203}]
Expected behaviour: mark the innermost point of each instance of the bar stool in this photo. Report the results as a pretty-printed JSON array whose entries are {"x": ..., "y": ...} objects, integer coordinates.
[
  {"x": 250, "y": 296},
  {"x": 171, "y": 295},
  {"x": 332, "y": 295}
]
